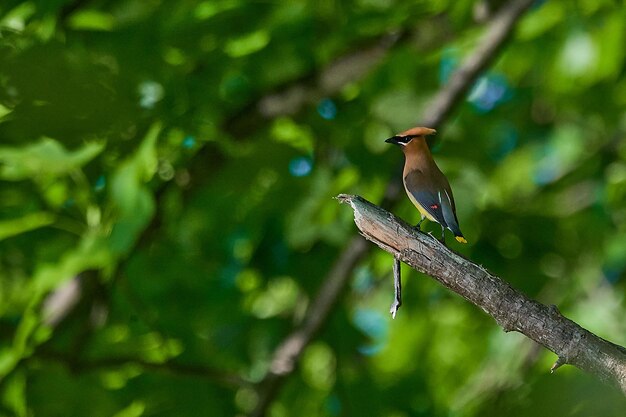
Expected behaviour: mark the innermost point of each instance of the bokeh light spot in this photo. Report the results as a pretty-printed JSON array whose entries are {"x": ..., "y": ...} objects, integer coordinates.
[
  {"x": 488, "y": 92},
  {"x": 578, "y": 55},
  {"x": 319, "y": 366},
  {"x": 189, "y": 142},
  {"x": 447, "y": 65},
  {"x": 333, "y": 405},
  {"x": 150, "y": 93},
  {"x": 300, "y": 166},
  {"x": 166, "y": 170},
  {"x": 101, "y": 182},
  {"x": 327, "y": 109},
  {"x": 374, "y": 325}
]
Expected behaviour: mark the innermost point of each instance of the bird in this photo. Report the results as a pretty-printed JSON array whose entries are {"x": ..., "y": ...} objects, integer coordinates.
[{"x": 425, "y": 184}]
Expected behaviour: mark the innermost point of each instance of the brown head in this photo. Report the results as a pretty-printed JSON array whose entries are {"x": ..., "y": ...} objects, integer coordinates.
[{"x": 412, "y": 139}]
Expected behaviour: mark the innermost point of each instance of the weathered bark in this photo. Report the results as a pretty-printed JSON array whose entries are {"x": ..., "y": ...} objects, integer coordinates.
[{"x": 510, "y": 308}]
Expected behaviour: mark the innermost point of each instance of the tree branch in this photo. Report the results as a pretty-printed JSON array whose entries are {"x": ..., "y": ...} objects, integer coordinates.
[
  {"x": 511, "y": 309},
  {"x": 288, "y": 352},
  {"x": 291, "y": 98},
  {"x": 499, "y": 30}
]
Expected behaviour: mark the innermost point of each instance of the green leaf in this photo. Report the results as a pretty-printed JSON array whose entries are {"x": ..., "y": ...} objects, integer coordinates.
[
  {"x": 14, "y": 395},
  {"x": 247, "y": 44},
  {"x": 543, "y": 20},
  {"x": 92, "y": 20},
  {"x": 287, "y": 131},
  {"x": 4, "y": 111},
  {"x": 17, "y": 17},
  {"x": 90, "y": 253},
  {"x": 135, "y": 409},
  {"x": 44, "y": 159},
  {"x": 26, "y": 223},
  {"x": 131, "y": 199}
]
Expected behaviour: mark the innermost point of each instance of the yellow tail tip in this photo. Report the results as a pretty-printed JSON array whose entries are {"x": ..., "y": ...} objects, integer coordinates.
[{"x": 460, "y": 239}]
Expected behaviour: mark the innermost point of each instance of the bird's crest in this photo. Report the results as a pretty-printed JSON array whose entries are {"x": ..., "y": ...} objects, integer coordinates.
[{"x": 418, "y": 131}]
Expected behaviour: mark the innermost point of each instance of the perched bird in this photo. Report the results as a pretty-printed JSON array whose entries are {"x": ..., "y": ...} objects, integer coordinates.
[{"x": 427, "y": 187}]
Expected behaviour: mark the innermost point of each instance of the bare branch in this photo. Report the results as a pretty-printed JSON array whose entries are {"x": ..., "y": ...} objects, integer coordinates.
[
  {"x": 291, "y": 98},
  {"x": 500, "y": 28},
  {"x": 331, "y": 80},
  {"x": 288, "y": 352},
  {"x": 511, "y": 309}
]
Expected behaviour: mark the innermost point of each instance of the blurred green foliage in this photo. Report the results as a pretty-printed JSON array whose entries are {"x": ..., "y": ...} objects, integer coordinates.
[{"x": 163, "y": 225}]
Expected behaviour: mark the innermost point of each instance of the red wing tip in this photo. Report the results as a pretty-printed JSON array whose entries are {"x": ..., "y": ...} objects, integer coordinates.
[{"x": 460, "y": 239}]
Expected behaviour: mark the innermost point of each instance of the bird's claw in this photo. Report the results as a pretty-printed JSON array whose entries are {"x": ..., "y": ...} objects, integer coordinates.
[{"x": 394, "y": 307}]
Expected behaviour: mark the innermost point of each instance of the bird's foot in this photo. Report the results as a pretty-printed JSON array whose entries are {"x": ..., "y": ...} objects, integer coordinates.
[
  {"x": 443, "y": 236},
  {"x": 440, "y": 240},
  {"x": 395, "y": 306}
]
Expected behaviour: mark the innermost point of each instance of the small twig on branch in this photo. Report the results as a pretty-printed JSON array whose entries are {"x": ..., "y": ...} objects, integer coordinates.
[
  {"x": 290, "y": 349},
  {"x": 511, "y": 309}
]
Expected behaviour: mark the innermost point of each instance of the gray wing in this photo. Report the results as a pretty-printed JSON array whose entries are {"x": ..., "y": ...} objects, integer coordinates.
[
  {"x": 447, "y": 205},
  {"x": 438, "y": 203},
  {"x": 426, "y": 195}
]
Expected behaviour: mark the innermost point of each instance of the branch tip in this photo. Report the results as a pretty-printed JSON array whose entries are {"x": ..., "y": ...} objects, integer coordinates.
[
  {"x": 345, "y": 198},
  {"x": 559, "y": 362}
]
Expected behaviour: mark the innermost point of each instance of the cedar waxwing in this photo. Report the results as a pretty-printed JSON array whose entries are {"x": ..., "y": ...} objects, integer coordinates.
[{"x": 427, "y": 187}]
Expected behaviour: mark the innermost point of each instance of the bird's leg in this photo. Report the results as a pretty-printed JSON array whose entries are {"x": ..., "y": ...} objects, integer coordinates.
[
  {"x": 443, "y": 236},
  {"x": 397, "y": 287},
  {"x": 417, "y": 226}
]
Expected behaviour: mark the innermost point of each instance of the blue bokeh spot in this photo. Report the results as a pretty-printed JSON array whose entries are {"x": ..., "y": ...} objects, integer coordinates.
[
  {"x": 300, "y": 166},
  {"x": 189, "y": 142},
  {"x": 448, "y": 64},
  {"x": 327, "y": 109},
  {"x": 101, "y": 182},
  {"x": 374, "y": 325},
  {"x": 488, "y": 92},
  {"x": 333, "y": 405}
]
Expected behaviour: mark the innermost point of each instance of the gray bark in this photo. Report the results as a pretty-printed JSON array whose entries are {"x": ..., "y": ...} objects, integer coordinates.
[{"x": 511, "y": 309}]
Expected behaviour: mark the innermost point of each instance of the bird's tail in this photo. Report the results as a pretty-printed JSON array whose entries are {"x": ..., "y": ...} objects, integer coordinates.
[{"x": 454, "y": 228}]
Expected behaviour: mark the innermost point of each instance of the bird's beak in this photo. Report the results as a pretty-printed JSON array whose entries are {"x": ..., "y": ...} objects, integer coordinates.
[{"x": 393, "y": 140}]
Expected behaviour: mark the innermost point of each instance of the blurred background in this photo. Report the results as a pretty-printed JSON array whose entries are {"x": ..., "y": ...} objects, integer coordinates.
[{"x": 167, "y": 171}]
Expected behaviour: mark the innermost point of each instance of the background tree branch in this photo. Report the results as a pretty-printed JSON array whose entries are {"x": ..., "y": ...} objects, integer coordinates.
[
  {"x": 511, "y": 309},
  {"x": 288, "y": 352}
]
